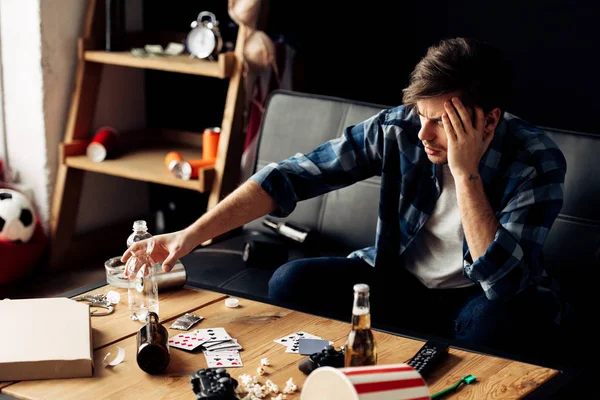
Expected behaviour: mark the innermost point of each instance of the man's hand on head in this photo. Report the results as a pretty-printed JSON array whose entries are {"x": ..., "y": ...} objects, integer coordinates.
[{"x": 466, "y": 141}]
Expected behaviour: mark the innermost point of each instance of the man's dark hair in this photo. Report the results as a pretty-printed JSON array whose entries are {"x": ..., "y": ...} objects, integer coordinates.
[{"x": 478, "y": 71}]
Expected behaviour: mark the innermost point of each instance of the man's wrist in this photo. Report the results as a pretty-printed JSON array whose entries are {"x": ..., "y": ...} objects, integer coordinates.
[
  {"x": 468, "y": 178},
  {"x": 191, "y": 234}
]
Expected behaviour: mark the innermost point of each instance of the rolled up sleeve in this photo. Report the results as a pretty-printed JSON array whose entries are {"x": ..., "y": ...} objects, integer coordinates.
[
  {"x": 515, "y": 255},
  {"x": 354, "y": 156}
]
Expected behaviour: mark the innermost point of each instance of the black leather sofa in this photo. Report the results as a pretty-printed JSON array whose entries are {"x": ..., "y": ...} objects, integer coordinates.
[{"x": 346, "y": 219}]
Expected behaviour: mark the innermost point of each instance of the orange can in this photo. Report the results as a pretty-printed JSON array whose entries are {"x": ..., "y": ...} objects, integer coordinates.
[
  {"x": 172, "y": 159},
  {"x": 210, "y": 143}
]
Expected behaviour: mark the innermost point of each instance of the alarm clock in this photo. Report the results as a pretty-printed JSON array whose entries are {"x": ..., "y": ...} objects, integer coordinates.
[{"x": 204, "y": 40}]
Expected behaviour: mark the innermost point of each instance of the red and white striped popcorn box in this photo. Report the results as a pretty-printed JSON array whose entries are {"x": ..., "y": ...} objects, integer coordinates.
[{"x": 376, "y": 382}]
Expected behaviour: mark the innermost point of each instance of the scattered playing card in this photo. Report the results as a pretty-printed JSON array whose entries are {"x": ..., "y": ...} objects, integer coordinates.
[
  {"x": 286, "y": 339},
  {"x": 311, "y": 346},
  {"x": 224, "y": 359},
  {"x": 295, "y": 337},
  {"x": 185, "y": 341},
  {"x": 229, "y": 345},
  {"x": 213, "y": 334}
]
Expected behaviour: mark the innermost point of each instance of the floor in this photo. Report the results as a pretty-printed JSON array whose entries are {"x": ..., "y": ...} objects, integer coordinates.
[{"x": 51, "y": 284}]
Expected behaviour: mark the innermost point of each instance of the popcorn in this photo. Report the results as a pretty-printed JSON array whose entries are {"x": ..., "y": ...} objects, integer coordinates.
[
  {"x": 258, "y": 390},
  {"x": 265, "y": 362},
  {"x": 252, "y": 389},
  {"x": 273, "y": 388},
  {"x": 290, "y": 386},
  {"x": 261, "y": 370},
  {"x": 247, "y": 379}
]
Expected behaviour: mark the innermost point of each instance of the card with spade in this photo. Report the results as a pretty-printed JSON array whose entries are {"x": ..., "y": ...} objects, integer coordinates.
[
  {"x": 213, "y": 334},
  {"x": 224, "y": 359}
]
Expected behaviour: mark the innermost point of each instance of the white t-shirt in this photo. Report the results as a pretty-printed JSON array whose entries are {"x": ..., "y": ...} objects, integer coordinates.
[{"x": 436, "y": 255}]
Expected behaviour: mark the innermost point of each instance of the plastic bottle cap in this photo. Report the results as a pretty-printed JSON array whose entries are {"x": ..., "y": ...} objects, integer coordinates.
[
  {"x": 140, "y": 225},
  {"x": 361, "y": 287},
  {"x": 231, "y": 302}
]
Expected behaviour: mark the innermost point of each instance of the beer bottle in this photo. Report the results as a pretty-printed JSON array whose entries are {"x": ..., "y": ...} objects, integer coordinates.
[
  {"x": 360, "y": 346},
  {"x": 153, "y": 353}
]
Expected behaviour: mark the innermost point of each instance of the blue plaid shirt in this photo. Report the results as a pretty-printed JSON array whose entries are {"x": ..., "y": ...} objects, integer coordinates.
[{"x": 522, "y": 172}]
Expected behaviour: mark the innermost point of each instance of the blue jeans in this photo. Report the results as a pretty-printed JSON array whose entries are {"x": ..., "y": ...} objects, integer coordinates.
[{"x": 323, "y": 286}]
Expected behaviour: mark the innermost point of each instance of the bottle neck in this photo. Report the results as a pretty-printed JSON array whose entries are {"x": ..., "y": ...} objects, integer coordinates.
[{"x": 361, "y": 311}]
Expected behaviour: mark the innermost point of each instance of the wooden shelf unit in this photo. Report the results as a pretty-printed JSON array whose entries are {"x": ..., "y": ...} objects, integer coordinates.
[
  {"x": 183, "y": 64},
  {"x": 145, "y": 160}
]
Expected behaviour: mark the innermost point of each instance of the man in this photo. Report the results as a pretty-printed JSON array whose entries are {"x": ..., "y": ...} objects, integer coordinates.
[{"x": 468, "y": 195}]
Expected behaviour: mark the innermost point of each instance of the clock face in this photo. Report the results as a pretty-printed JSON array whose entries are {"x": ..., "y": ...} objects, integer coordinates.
[{"x": 201, "y": 42}]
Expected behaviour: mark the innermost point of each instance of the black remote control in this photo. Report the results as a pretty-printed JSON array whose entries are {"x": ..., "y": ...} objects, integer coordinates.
[
  {"x": 329, "y": 357},
  {"x": 213, "y": 384},
  {"x": 429, "y": 357}
]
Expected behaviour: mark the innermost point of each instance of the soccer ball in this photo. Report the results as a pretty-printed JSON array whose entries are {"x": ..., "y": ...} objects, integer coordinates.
[{"x": 17, "y": 216}]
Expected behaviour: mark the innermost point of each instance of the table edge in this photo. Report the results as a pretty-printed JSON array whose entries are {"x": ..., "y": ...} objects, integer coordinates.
[{"x": 564, "y": 376}]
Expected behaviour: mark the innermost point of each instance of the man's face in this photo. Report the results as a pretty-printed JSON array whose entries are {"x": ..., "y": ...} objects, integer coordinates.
[{"x": 432, "y": 132}]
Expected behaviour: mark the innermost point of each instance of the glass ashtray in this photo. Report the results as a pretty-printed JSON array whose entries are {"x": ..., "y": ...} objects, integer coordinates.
[{"x": 115, "y": 273}]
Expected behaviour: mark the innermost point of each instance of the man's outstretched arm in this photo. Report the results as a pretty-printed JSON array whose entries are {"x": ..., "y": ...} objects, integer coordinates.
[{"x": 245, "y": 204}]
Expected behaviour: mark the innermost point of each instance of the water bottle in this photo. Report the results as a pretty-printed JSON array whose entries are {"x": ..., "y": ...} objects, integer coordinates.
[{"x": 143, "y": 290}]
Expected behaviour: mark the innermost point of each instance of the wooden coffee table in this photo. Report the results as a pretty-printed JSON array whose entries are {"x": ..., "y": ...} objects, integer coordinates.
[{"x": 256, "y": 325}]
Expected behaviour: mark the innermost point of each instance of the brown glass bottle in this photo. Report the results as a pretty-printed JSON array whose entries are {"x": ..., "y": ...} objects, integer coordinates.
[
  {"x": 153, "y": 354},
  {"x": 360, "y": 348}
]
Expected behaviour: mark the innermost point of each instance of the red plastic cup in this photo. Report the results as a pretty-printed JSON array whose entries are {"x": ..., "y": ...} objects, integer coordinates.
[
  {"x": 381, "y": 382},
  {"x": 103, "y": 145}
]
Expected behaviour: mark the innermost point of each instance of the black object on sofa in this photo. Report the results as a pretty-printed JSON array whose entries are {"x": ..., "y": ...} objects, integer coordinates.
[{"x": 346, "y": 219}]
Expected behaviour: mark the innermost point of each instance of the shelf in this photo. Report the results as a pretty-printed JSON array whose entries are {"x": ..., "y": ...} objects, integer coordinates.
[
  {"x": 222, "y": 68},
  {"x": 145, "y": 164}
]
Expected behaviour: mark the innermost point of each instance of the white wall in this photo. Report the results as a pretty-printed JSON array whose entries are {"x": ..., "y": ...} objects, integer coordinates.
[
  {"x": 24, "y": 96},
  {"x": 39, "y": 54}
]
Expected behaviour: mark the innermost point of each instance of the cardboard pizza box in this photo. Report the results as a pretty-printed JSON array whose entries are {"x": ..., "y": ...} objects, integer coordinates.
[{"x": 44, "y": 339}]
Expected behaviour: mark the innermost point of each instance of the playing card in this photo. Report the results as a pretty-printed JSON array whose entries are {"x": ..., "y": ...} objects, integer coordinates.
[
  {"x": 213, "y": 334},
  {"x": 210, "y": 343},
  {"x": 224, "y": 359},
  {"x": 294, "y": 337},
  {"x": 185, "y": 341},
  {"x": 228, "y": 344},
  {"x": 311, "y": 346},
  {"x": 293, "y": 347}
]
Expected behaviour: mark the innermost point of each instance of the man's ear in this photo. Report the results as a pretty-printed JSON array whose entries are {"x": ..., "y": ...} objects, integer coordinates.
[{"x": 491, "y": 120}]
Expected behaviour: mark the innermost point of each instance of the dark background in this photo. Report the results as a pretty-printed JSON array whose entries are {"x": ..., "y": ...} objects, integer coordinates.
[{"x": 366, "y": 52}]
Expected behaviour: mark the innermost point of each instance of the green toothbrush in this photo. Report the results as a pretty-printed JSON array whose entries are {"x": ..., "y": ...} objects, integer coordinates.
[{"x": 467, "y": 380}]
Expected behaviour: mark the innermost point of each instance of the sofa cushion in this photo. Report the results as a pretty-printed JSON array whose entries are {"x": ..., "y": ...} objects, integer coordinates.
[
  {"x": 572, "y": 250},
  {"x": 297, "y": 123}
]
